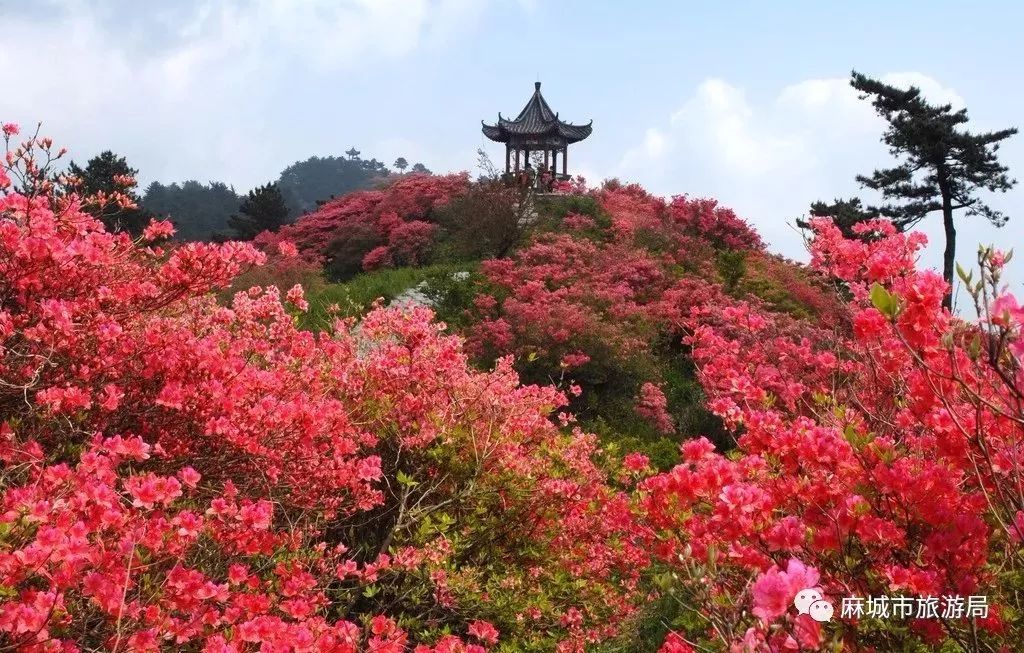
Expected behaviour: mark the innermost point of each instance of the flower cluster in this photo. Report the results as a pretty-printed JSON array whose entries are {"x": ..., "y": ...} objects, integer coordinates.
[
  {"x": 374, "y": 228},
  {"x": 178, "y": 472},
  {"x": 653, "y": 405},
  {"x": 871, "y": 460},
  {"x": 595, "y": 304},
  {"x": 717, "y": 224}
]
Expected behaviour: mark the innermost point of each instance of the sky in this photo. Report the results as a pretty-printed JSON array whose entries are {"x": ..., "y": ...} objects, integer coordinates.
[{"x": 745, "y": 102}]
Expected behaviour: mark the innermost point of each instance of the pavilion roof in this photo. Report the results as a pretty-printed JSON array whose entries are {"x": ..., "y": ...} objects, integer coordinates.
[{"x": 536, "y": 122}]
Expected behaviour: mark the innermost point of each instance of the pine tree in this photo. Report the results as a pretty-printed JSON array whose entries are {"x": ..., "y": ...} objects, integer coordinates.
[
  {"x": 108, "y": 174},
  {"x": 844, "y": 213},
  {"x": 401, "y": 164},
  {"x": 943, "y": 167},
  {"x": 263, "y": 209}
]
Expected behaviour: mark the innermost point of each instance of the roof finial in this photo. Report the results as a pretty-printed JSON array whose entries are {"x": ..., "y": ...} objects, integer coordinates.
[{"x": 536, "y": 86}]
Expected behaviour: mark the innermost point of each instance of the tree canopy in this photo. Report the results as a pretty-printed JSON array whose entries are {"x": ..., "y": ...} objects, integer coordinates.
[
  {"x": 943, "y": 166},
  {"x": 199, "y": 211},
  {"x": 846, "y": 214},
  {"x": 263, "y": 209},
  {"x": 106, "y": 175},
  {"x": 303, "y": 183}
]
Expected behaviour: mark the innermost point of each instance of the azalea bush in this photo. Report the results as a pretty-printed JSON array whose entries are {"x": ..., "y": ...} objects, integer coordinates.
[
  {"x": 388, "y": 227},
  {"x": 282, "y": 267},
  {"x": 184, "y": 466},
  {"x": 883, "y": 460},
  {"x": 704, "y": 218},
  {"x": 181, "y": 473},
  {"x": 596, "y": 301}
]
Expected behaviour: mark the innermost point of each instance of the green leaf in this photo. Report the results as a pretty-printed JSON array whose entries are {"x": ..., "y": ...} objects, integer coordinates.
[
  {"x": 974, "y": 348},
  {"x": 856, "y": 438},
  {"x": 965, "y": 276},
  {"x": 884, "y": 301},
  {"x": 850, "y": 434},
  {"x": 406, "y": 480}
]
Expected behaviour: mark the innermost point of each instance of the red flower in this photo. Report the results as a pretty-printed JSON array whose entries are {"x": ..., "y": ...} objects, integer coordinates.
[{"x": 484, "y": 631}]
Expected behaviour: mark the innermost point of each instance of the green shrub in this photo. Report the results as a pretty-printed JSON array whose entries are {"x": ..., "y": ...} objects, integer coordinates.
[
  {"x": 488, "y": 221},
  {"x": 442, "y": 285},
  {"x": 552, "y": 209},
  {"x": 731, "y": 266}
]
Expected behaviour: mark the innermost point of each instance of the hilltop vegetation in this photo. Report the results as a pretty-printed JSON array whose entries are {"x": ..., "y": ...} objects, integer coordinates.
[
  {"x": 636, "y": 429},
  {"x": 203, "y": 212},
  {"x": 591, "y": 295}
]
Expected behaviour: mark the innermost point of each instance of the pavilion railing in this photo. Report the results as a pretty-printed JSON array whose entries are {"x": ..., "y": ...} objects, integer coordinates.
[{"x": 543, "y": 182}]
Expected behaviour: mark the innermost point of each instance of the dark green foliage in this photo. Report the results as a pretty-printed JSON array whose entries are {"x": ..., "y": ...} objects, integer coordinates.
[
  {"x": 556, "y": 207},
  {"x": 452, "y": 289},
  {"x": 401, "y": 164},
  {"x": 775, "y": 295},
  {"x": 202, "y": 212},
  {"x": 262, "y": 210},
  {"x": 199, "y": 211},
  {"x": 686, "y": 403},
  {"x": 632, "y": 434},
  {"x": 551, "y": 211},
  {"x": 670, "y": 609},
  {"x": 943, "y": 165},
  {"x": 107, "y": 173},
  {"x": 844, "y": 213},
  {"x": 317, "y": 179},
  {"x": 609, "y": 409},
  {"x": 345, "y": 255},
  {"x": 488, "y": 221},
  {"x": 732, "y": 266},
  {"x": 420, "y": 168},
  {"x": 654, "y": 241}
]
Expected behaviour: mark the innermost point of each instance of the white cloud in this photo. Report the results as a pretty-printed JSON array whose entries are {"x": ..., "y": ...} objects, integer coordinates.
[
  {"x": 770, "y": 158},
  {"x": 202, "y": 89},
  {"x": 655, "y": 144},
  {"x": 719, "y": 116}
]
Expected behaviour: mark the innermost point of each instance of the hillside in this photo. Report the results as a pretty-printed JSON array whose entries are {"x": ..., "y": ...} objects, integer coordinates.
[
  {"x": 605, "y": 421},
  {"x": 591, "y": 295}
]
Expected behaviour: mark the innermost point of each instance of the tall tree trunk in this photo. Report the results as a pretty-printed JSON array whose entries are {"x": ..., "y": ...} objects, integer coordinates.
[{"x": 949, "y": 255}]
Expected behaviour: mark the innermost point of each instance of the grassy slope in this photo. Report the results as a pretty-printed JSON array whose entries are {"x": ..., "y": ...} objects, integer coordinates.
[{"x": 355, "y": 296}]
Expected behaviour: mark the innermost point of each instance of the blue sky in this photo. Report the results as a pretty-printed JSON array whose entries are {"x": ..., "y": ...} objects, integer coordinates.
[{"x": 746, "y": 102}]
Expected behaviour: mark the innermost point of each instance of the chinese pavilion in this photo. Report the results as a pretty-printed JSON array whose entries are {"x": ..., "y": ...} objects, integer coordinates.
[{"x": 536, "y": 129}]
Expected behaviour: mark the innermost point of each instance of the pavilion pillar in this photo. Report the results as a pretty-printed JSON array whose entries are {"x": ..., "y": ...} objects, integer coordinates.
[
  {"x": 565, "y": 160},
  {"x": 554, "y": 160},
  {"x": 546, "y": 153},
  {"x": 508, "y": 156},
  {"x": 517, "y": 160}
]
